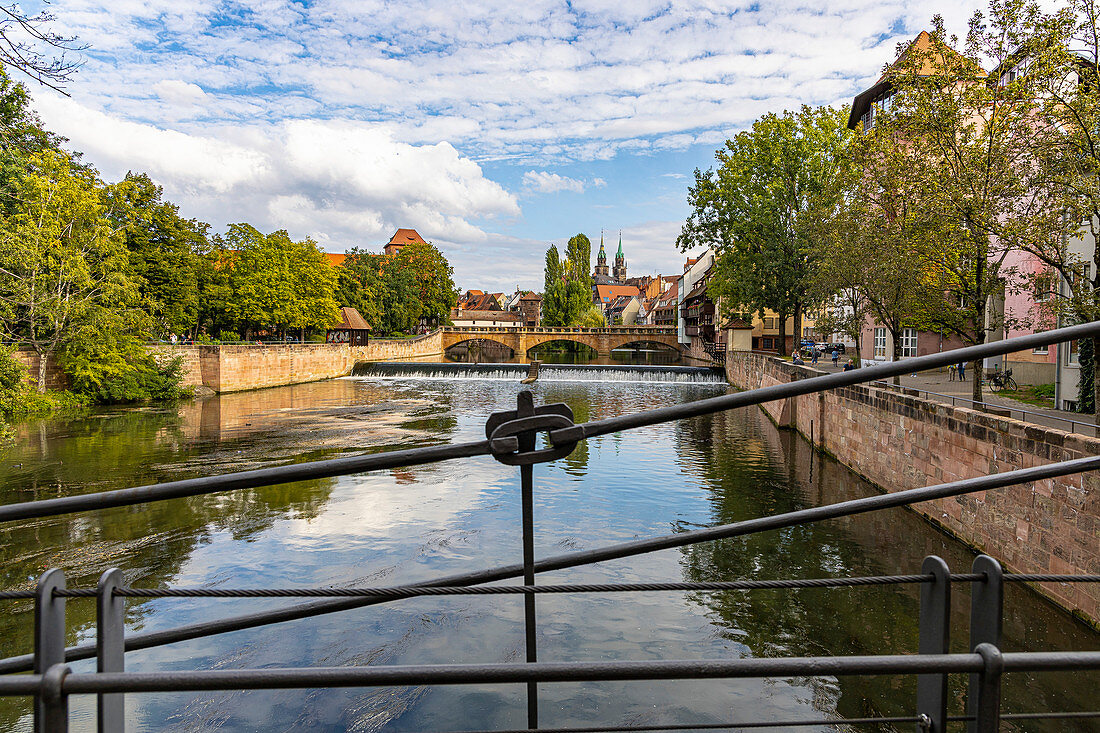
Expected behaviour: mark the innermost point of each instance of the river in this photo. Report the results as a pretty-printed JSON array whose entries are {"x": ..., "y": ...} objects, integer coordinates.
[{"x": 418, "y": 523}]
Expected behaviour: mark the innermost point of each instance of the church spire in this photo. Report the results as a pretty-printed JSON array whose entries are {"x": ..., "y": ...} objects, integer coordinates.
[{"x": 620, "y": 252}]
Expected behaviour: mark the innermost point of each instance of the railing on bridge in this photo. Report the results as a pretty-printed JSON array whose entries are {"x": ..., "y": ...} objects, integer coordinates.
[
  {"x": 617, "y": 330},
  {"x": 511, "y": 438}
]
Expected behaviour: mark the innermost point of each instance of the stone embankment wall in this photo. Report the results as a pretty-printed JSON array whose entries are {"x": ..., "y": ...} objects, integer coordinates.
[
  {"x": 902, "y": 442},
  {"x": 237, "y": 367},
  {"x": 55, "y": 378}
]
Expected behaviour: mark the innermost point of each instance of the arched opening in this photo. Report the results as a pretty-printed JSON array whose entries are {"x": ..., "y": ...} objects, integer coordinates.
[
  {"x": 646, "y": 352},
  {"x": 480, "y": 351},
  {"x": 562, "y": 351}
]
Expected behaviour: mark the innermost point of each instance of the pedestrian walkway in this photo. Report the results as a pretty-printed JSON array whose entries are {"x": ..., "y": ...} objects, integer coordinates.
[{"x": 938, "y": 386}]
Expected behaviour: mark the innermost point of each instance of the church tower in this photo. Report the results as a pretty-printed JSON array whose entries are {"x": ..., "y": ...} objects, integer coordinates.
[
  {"x": 619, "y": 272},
  {"x": 601, "y": 259}
]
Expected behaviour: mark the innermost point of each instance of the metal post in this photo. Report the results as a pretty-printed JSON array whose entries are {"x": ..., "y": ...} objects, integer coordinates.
[
  {"x": 49, "y": 637},
  {"x": 525, "y": 407},
  {"x": 110, "y": 650},
  {"x": 986, "y": 604},
  {"x": 935, "y": 613},
  {"x": 55, "y": 703},
  {"x": 988, "y": 704}
]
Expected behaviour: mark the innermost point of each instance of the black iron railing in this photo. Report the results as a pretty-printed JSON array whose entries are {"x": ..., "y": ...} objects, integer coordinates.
[{"x": 512, "y": 439}]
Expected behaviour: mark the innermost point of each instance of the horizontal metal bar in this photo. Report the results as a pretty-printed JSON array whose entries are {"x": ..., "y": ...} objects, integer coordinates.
[
  {"x": 467, "y": 674},
  {"x": 148, "y": 640},
  {"x": 1049, "y": 578},
  {"x": 242, "y": 480},
  {"x": 709, "y": 726},
  {"x": 406, "y": 591},
  {"x": 1051, "y": 716},
  {"x": 818, "y": 384},
  {"x": 464, "y": 674}
]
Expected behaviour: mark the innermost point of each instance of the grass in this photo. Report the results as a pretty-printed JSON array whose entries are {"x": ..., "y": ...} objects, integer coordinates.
[{"x": 1040, "y": 395}]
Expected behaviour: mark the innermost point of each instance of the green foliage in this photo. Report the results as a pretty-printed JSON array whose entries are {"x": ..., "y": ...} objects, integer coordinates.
[
  {"x": 763, "y": 208},
  {"x": 394, "y": 293},
  {"x": 271, "y": 282},
  {"x": 225, "y": 336},
  {"x": 1044, "y": 390},
  {"x": 591, "y": 318},
  {"x": 567, "y": 295},
  {"x": 1086, "y": 387},
  {"x": 114, "y": 368},
  {"x": 18, "y": 398},
  {"x": 165, "y": 251}
]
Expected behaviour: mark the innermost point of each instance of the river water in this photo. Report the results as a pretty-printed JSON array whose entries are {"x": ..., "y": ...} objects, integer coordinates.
[{"x": 418, "y": 523}]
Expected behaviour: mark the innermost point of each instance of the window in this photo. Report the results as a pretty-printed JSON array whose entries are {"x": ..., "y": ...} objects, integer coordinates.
[
  {"x": 769, "y": 323},
  {"x": 1071, "y": 353},
  {"x": 908, "y": 342},
  {"x": 880, "y": 343},
  {"x": 765, "y": 343}
]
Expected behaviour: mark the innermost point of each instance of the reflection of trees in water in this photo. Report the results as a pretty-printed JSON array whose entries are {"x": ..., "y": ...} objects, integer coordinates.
[
  {"x": 752, "y": 470},
  {"x": 480, "y": 350},
  {"x": 150, "y": 542}
]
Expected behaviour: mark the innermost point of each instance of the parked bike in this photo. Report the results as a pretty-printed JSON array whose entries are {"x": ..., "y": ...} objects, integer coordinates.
[{"x": 1002, "y": 380}]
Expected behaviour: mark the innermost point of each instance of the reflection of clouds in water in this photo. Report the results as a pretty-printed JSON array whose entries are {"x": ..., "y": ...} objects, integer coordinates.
[{"x": 409, "y": 501}]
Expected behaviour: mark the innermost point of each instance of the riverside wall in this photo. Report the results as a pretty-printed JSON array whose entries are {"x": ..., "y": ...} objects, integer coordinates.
[
  {"x": 238, "y": 367},
  {"x": 899, "y": 441}
]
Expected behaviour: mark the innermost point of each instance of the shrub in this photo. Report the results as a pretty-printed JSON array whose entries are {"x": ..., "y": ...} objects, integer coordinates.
[
  {"x": 1044, "y": 390},
  {"x": 225, "y": 336}
]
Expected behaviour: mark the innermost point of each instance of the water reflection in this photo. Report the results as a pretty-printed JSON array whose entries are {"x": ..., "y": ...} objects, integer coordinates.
[{"x": 428, "y": 521}]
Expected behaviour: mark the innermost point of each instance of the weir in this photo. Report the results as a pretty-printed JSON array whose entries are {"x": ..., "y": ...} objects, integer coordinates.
[{"x": 547, "y": 372}]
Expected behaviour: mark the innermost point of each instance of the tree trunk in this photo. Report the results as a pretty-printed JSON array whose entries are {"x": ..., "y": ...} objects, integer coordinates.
[
  {"x": 782, "y": 334},
  {"x": 976, "y": 380},
  {"x": 798, "y": 325},
  {"x": 302, "y": 336},
  {"x": 42, "y": 372},
  {"x": 895, "y": 351}
]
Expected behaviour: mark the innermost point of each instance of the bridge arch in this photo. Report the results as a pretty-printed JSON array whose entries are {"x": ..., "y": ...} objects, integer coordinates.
[{"x": 478, "y": 343}]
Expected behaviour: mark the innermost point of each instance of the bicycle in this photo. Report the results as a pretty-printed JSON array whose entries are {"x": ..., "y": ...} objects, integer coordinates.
[{"x": 1002, "y": 380}]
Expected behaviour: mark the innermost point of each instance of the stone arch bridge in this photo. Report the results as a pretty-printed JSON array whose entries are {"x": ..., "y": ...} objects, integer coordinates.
[{"x": 603, "y": 340}]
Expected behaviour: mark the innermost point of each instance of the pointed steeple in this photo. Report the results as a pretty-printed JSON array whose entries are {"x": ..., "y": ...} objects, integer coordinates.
[{"x": 620, "y": 252}]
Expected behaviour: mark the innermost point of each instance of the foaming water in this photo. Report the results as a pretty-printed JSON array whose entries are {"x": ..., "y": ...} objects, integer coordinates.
[{"x": 546, "y": 373}]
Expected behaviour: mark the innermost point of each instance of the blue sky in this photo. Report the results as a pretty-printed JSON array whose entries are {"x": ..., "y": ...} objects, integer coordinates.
[{"x": 493, "y": 128}]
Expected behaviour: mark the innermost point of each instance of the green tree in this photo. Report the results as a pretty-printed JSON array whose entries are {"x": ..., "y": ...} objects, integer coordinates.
[
  {"x": 62, "y": 266},
  {"x": 568, "y": 284},
  {"x": 164, "y": 251},
  {"x": 277, "y": 283},
  {"x": 553, "y": 297},
  {"x": 360, "y": 285},
  {"x": 762, "y": 210},
  {"x": 432, "y": 276},
  {"x": 971, "y": 141}
]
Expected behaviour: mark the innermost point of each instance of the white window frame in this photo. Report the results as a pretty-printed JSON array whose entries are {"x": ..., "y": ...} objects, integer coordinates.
[
  {"x": 880, "y": 343},
  {"x": 908, "y": 342}
]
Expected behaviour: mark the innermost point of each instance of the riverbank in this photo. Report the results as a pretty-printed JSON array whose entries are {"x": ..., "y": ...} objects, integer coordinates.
[
  {"x": 238, "y": 367},
  {"x": 902, "y": 441}
]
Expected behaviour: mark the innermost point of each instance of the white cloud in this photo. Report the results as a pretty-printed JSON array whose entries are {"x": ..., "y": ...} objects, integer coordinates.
[
  {"x": 546, "y": 182},
  {"x": 179, "y": 92},
  {"x": 598, "y": 183},
  {"x": 544, "y": 80},
  {"x": 344, "y": 183}
]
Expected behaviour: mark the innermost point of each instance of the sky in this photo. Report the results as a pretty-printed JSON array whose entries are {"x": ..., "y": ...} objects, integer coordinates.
[{"x": 492, "y": 128}]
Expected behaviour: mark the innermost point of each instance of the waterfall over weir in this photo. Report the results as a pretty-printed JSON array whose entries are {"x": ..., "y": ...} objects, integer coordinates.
[{"x": 547, "y": 372}]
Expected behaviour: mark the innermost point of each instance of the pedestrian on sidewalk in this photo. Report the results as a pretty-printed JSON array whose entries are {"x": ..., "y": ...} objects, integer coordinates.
[
  {"x": 836, "y": 356},
  {"x": 813, "y": 355},
  {"x": 850, "y": 365},
  {"x": 962, "y": 371}
]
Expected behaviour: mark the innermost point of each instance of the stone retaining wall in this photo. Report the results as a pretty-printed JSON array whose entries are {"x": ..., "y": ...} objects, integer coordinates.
[
  {"x": 901, "y": 442},
  {"x": 237, "y": 367}
]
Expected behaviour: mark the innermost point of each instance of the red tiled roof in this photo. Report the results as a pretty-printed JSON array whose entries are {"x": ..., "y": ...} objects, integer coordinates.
[
  {"x": 335, "y": 258},
  {"x": 607, "y": 292},
  {"x": 406, "y": 236}
]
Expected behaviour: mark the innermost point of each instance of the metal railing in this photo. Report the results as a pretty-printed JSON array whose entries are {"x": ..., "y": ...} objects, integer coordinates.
[
  {"x": 512, "y": 439},
  {"x": 1025, "y": 415}
]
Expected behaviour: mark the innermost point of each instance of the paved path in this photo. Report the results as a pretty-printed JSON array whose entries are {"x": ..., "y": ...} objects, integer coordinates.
[{"x": 937, "y": 386}]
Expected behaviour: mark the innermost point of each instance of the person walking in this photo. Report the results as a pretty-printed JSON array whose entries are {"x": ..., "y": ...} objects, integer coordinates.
[
  {"x": 813, "y": 355},
  {"x": 850, "y": 365},
  {"x": 962, "y": 371},
  {"x": 836, "y": 355}
]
